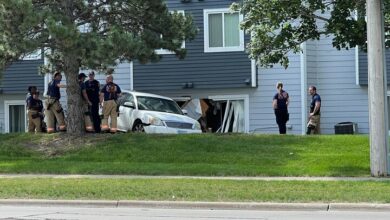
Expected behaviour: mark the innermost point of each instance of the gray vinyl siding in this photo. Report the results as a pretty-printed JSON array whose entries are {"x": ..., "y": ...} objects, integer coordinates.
[
  {"x": 2, "y": 114},
  {"x": 363, "y": 67},
  {"x": 21, "y": 74},
  {"x": 335, "y": 78},
  {"x": 262, "y": 117},
  {"x": 216, "y": 70}
]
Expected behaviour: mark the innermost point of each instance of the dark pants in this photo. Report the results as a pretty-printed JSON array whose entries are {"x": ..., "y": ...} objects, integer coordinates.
[
  {"x": 95, "y": 116},
  {"x": 281, "y": 119}
]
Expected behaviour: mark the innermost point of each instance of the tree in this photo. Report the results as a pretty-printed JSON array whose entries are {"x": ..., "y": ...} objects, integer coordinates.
[
  {"x": 89, "y": 34},
  {"x": 280, "y": 26}
]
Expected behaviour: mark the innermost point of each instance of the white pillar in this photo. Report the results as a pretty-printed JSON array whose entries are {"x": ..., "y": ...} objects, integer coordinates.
[{"x": 303, "y": 88}]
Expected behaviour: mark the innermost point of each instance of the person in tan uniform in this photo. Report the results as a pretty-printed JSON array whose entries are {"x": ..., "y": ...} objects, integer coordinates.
[
  {"x": 54, "y": 110},
  {"x": 108, "y": 96},
  {"x": 35, "y": 112}
]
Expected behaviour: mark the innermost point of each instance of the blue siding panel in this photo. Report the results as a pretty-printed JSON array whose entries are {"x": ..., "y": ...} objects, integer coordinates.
[
  {"x": 203, "y": 70},
  {"x": 21, "y": 74}
]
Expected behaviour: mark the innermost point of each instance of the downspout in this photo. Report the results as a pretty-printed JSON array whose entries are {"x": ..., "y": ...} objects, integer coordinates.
[
  {"x": 253, "y": 73},
  {"x": 131, "y": 75},
  {"x": 303, "y": 58},
  {"x": 48, "y": 76}
]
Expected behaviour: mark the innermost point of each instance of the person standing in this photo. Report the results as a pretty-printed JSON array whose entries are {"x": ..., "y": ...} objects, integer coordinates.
[
  {"x": 35, "y": 112},
  {"x": 313, "y": 126},
  {"x": 93, "y": 86},
  {"x": 108, "y": 96},
  {"x": 280, "y": 105},
  {"x": 86, "y": 103},
  {"x": 54, "y": 110}
]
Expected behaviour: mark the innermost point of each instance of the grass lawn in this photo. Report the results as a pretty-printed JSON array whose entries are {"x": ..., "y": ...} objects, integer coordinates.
[
  {"x": 205, "y": 155},
  {"x": 196, "y": 190}
]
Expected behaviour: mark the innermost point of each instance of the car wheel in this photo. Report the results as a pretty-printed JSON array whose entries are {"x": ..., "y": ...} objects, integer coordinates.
[{"x": 139, "y": 127}]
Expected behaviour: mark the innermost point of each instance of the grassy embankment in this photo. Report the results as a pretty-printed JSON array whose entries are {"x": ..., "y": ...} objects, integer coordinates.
[{"x": 202, "y": 155}]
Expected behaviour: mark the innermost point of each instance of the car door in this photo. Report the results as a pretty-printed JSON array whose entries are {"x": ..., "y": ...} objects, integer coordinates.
[{"x": 125, "y": 112}]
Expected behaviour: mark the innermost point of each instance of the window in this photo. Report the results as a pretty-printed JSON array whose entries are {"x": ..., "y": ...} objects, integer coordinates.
[
  {"x": 222, "y": 31},
  {"x": 164, "y": 51},
  {"x": 126, "y": 97},
  {"x": 15, "y": 114},
  {"x": 388, "y": 110},
  {"x": 158, "y": 104},
  {"x": 35, "y": 55}
]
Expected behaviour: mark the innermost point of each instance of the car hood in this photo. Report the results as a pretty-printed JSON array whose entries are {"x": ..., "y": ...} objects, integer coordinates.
[{"x": 170, "y": 116}]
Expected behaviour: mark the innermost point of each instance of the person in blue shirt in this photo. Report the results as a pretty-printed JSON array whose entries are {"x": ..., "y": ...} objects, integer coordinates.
[
  {"x": 313, "y": 126},
  {"x": 280, "y": 105},
  {"x": 54, "y": 110},
  {"x": 108, "y": 96},
  {"x": 93, "y": 88}
]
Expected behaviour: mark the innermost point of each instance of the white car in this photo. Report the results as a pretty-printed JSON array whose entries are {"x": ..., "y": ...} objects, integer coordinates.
[{"x": 144, "y": 112}]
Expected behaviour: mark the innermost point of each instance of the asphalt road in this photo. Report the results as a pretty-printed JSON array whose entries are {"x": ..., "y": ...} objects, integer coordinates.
[{"x": 73, "y": 213}]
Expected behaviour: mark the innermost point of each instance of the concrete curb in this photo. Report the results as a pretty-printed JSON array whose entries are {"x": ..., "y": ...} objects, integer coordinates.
[
  {"x": 225, "y": 205},
  {"x": 71, "y": 203},
  {"x": 358, "y": 207},
  {"x": 199, "y": 205}
]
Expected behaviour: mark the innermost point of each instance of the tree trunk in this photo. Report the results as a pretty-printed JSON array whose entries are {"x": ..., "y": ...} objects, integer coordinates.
[{"x": 75, "y": 112}]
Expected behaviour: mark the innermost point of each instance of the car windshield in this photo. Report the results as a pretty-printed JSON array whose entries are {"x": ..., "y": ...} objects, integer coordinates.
[{"x": 158, "y": 104}]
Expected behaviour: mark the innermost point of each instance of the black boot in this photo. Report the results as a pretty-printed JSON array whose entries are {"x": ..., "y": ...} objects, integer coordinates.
[{"x": 309, "y": 128}]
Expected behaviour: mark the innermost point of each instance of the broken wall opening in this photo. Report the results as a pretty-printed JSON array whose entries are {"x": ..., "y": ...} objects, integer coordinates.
[{"x": 216, "y": 115}]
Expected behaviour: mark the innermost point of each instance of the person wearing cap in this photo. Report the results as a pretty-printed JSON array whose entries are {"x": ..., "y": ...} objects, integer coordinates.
[
  {"x": 108, "y": 96},
  {"x": 86, "y": 103},
  {"x": 35, "y": 112},
  {"x": 54, "y": 109},
  {"x": 93, "y": 86},
  {"x": 280, "y": 105}
]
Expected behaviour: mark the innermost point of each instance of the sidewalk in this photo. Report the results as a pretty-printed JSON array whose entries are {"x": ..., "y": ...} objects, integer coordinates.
[
  {"x": 199, "y": 205},
  {"x": 71, "y": 176}
]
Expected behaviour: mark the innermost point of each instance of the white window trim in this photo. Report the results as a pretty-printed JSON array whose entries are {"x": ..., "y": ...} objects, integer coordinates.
[
  {"x": 7, "y": 104},
  {"x": 165, "y": 51},
  {"x": 35, "y": 55},
  {"x": 207, "y": 49},
  {"x": 244, "y": 97}
]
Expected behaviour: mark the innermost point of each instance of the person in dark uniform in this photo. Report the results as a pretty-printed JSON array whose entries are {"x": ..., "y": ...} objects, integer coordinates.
[
  {"x": 53, "y": 106},
  {"x": 86, "y": 103},
  {"x": 280, "y": 105},
  {"x": 35, "y": 112},
  {"x": 93, "y": 87},
  {"x": 313, "y": 126}
]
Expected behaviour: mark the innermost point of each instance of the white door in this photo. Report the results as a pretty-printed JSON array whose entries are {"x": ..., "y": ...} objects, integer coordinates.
[{"x": 125, "y": 112}]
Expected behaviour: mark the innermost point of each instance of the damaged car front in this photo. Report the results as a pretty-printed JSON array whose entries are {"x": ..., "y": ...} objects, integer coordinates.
[{"x": 143, "y": 112}]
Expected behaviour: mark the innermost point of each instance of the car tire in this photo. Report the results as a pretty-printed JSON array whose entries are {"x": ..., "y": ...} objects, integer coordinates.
[{"x": 139, "y": 127}]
